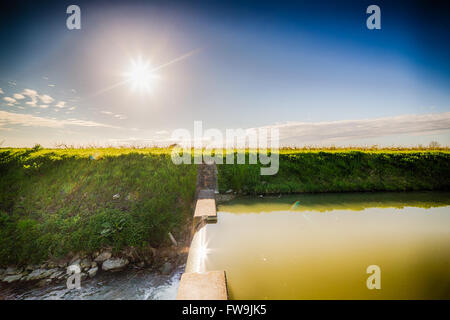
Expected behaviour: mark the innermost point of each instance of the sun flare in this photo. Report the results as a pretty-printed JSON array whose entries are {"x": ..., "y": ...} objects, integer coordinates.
[{"x": 141, "y": 75}]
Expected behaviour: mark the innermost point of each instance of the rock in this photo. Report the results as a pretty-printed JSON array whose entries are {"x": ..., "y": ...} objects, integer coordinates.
[
  {"x": 105, "y": 255},
  {"x": 57, "y": 274},
  {"x": 93, "y": 264},
  {"x": 32, "y": 267},
  {"x": 12, "y": 278},
  {"x": 229, "y": 191},
  {"x": 12, "y": 271},
  {"x": 114, "y": 264},
  {"x": 141, "y": 264},
  {"x": 83, "y": 276},
  {"x": 116, "y": 196},
  {"x": 92, "y": 272},
  {"x": 166, "y": 268},
  {"x": 74, "y": 259},
  {"x": 85, "y": 263},
  {"x": 75, "y": 262},
  {"x": 40, "y": 274},
  {"x": 2, "y": 271}
]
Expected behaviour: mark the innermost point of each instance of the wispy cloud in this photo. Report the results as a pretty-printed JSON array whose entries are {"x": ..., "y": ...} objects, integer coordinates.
[
  {"x": 33, "y": 95},
  {"x": 60, "y": 104},
  {"x": 1, "y": 91},
  {"x": 18, "y": 96},
  {"x": 9, "y": 118},
  {"x": 10, "y": 101},
  {"x": 300, "y": 133},
  {"x": 117, "y": 116},
  {"x": 45, "y": 98}
]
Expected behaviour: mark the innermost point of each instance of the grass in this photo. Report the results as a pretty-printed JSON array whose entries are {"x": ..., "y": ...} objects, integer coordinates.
[
  {"x": 342, "y": 170},
  {"x": 53, "y": 202}
]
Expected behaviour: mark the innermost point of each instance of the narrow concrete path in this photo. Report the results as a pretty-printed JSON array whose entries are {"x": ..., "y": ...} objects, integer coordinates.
[{"x": 211, "y": 285}]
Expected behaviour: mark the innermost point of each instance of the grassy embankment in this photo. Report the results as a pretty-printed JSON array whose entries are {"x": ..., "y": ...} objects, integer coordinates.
[
  {"x": 53, "y": 202},
  {"x": 343, "y": 170}
]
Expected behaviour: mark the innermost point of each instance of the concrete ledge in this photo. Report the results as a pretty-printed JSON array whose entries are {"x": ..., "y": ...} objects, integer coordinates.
[
  {"x": 210, "y": 285},
  {"x": 205, "y": 208}
]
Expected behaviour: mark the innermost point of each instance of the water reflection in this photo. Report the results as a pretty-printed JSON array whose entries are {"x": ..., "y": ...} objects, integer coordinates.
[{"x": 317, "y": 247}]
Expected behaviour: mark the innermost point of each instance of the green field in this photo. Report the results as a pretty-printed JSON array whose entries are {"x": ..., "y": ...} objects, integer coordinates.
[
  {"x": 342, "y": 170},
  {"x": 53, "y": 202}
]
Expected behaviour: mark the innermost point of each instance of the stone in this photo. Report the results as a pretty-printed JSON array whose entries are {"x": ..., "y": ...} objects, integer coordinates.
[
  {"x": 85, "y": 263},
  {"x": 114, "y": 264},
  {"x": 12, "y": 278},
  {"x": 105, "y": 255},
  {"x": 57, "y": 274},
  {"x": 116, "y": 196},
  {"x": 40, "y": 274},
  {"x": 92, "y": 272},
  {"x": 75, "y": 262},
  {"x": 12, "y": 270},
  {"x": 166, "y": 268},
  {"x": 32, "y": 267}
]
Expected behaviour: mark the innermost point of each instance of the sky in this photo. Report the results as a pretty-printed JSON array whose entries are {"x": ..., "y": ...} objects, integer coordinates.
[{"x": 312, "y": 69}]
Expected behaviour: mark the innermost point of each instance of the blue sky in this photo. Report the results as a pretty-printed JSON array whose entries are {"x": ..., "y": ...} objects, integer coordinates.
[{"x": 306, "y": 67}]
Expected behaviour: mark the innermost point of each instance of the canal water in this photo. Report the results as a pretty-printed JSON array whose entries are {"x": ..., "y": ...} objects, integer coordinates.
[{"x": 319, "y": 246}]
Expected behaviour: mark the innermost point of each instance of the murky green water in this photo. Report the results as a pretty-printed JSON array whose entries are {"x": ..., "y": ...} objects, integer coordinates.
[{"x": 319, "y": 246}]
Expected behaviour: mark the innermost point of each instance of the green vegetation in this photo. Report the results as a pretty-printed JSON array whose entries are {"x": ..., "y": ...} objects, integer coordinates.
[
  {"x": 53, "y": 202},
  {"x": 339, "y": 170}
]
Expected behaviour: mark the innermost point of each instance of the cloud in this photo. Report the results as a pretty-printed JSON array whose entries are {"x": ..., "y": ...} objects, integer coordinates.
[
  {"x": 300, "y": 133},
  {"x": 1, "y": 91},
  {"x": 45, "y": 98},
  {"x": 33, "y": 95},
  {"x": 60, "y": 104},
  {"x": 43, "y": 106},
  {"x": 9, "y": 118},
  {"x": 10, "y": 100},
  {"x": 18, "y": 96},
  {"x": 51, "y": 85},
  {"x": 117, "y": 116}
]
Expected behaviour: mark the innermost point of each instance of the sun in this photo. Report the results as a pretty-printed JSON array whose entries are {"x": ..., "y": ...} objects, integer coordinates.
[{"x": 141, "y": 75}]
